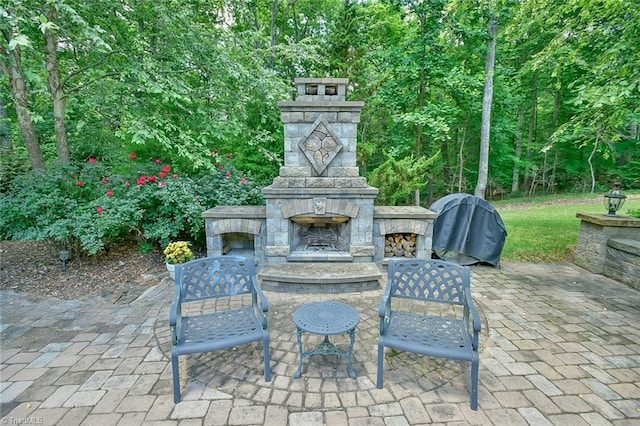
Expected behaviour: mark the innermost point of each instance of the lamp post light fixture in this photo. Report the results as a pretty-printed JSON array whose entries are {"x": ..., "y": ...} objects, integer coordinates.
[
  {"x": 614, "y": 199},
  {"x": 64, "y": 258}
]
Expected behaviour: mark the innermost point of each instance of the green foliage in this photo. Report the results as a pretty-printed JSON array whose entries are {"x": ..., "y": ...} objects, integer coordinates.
[
  {"x": 85, "y": 206},
  {"x": 12, "y": 166},
  {"x": 398, "y": 179},
  {"x": 145, "y": 247},
  {"x": 136, "y": 81}
]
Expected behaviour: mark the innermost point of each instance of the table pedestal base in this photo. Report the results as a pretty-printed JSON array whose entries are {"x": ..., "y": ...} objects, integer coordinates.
[{"x": 327, "y": 348}]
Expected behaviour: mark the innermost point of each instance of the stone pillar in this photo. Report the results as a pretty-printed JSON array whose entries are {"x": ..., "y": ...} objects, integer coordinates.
[{"x": 595, "y": 231}]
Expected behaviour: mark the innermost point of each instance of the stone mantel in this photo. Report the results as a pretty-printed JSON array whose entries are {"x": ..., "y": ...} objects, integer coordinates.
[{"x": 366, "y": 192}]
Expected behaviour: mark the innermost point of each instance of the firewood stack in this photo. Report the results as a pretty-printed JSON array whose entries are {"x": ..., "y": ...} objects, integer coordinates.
[{"x": 400, "y": 245}]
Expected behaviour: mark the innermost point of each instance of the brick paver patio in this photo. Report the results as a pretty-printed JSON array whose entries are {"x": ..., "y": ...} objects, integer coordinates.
[{"x": 559, "y": 346}]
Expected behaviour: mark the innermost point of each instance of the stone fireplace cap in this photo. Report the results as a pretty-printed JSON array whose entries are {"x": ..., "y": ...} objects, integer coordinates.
[{"x": 321, "y": 89}]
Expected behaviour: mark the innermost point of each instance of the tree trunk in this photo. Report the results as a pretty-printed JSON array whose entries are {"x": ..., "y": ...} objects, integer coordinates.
[
  {"x": 544, "y": 171},
  {"x": 552, "y": 179},
  {"x": 483, "y": 166},
  {"x": 6, "y": 142},
  {"x": 274, "y": 28},
  {"x": 294, "y": 19},
  {"x": 554, "y": 125},
  {"x": 446, "y": 160},
  {"x": 461, "y": 153},
  {"x": 589, "y": 160},
  {"x": 532, "y": 130},
  {"x": 422, "y": 94},
  {"x": 515, "y": 180},
  {"x": 56, "y": 90},
  {"x": 418, "y": 150},
  {"x": 20, "y": 96}
]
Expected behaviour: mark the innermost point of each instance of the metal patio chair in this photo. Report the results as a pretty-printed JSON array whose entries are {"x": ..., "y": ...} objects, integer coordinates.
[
  {"x": 239, "y": 323},
  {"x": 433, "y": 284}
]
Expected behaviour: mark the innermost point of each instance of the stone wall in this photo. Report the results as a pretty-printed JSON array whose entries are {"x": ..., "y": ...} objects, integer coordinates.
[
  {"x": 595, "y": 232},
  {"x": 622, "y": 261}
]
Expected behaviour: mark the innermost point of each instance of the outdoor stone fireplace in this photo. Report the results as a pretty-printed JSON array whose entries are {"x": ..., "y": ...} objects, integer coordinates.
[{"x": 319, "y": 219}]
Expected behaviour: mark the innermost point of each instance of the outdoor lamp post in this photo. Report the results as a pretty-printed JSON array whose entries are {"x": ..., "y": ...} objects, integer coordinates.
[
  {"x": 64, "y": 258},
  {"x": 614, "y": 199}
]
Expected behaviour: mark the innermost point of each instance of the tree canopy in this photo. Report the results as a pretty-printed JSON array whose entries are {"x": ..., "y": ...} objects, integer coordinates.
[{"x": 189, "y": 80}]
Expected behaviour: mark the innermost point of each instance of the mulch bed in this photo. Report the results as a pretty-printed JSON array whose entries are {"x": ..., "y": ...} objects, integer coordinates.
[{"x": 32, "y": 267}]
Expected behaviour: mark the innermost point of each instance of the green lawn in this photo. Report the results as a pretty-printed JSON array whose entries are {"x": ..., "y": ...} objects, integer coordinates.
[{"x": 546, "y": 229}]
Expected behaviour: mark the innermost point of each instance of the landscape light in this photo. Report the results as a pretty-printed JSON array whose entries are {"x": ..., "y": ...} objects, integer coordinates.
[
  {"x": 614, "y": 199},
  {"x": 64, "y": 258}
]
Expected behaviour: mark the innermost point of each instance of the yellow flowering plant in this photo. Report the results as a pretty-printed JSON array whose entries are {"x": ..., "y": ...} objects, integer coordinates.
[{"x": 178, "y": 252}]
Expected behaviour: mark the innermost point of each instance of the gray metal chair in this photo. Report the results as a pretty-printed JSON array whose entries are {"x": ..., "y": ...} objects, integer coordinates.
[
  {"x": 451, "y": 335},
  {"x": 213, "y": 278}
]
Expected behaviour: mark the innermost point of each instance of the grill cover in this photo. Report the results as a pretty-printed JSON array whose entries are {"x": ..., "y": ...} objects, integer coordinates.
[{"x": 467, "y": 230}]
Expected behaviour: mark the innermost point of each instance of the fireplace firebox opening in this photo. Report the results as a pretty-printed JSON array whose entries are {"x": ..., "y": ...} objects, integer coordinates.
[
  {"x": 319, "y": 234},
  {"x": 238, "y": 243}
]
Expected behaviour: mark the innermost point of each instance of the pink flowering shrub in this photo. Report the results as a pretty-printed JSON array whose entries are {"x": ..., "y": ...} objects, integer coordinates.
[{"x": 84, "y": 206}]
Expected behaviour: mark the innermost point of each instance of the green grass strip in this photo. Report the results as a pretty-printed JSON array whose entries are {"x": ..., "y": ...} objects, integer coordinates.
[{"x": 545, "y": 229}]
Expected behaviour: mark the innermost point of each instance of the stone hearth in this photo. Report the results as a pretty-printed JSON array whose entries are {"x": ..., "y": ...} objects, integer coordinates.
[{"x": 319, "y": 220}]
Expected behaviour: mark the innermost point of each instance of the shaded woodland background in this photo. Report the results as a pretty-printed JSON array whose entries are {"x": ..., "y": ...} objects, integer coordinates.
[{"x": 196, "y": 83}]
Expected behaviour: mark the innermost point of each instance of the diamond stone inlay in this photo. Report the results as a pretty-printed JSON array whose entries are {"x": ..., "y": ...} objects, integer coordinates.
[{"x": 320, "y": 145}]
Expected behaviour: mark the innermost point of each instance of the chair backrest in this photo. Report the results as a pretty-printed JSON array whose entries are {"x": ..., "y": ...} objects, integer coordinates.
[
  {"x": 429, "y": 280},
  {"x": 214, "y": 277}
]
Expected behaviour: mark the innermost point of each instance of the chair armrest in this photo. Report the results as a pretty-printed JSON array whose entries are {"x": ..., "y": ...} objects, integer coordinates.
[
  {"x": 176, "y": 308},
  {"x": 385, "y": 310},
  {"x": 175, "y": 315},
  {"x": 475, "y": 320},
  {"x": 384, "y": 305},
  {"x": 263, "y": 299},
  {"x": 258, "y": 294},
  {"x": 475, "y": 317}
]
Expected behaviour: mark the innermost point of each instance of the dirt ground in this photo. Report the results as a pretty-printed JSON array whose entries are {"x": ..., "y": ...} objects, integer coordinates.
[{"x": 31, "y": 267}]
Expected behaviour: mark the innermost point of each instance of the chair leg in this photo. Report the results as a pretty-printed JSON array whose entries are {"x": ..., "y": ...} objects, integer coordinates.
[
  {"x": 175, "y": 365},
  {"x": 380, "y": 363},
  {"x": 475, "y": 366},
  {"x": 267, "y": 359}
]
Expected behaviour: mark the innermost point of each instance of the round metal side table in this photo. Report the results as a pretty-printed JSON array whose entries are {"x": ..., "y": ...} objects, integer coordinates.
[{"x": 328, "y": 319}]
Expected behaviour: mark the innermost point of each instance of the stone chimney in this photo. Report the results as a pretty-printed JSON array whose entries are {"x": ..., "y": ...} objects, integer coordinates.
[{"x": 320, "y": 182}]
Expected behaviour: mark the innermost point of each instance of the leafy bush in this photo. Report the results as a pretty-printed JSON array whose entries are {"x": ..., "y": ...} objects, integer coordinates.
[
  {"x": 398, "y": 179},
  {"x": 54, "y": 206},
  {"x": 12, "y": 165},
  {"x": 85, "y": 206}
]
